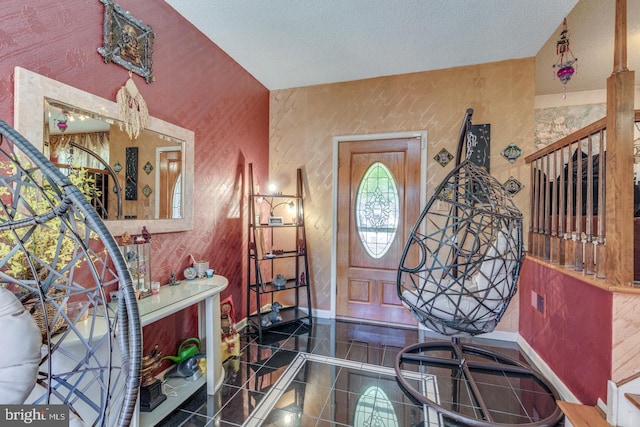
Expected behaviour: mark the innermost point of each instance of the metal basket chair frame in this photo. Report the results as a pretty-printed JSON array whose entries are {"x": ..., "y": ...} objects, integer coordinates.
[
  {"x": 80, "y": 366},
  {"x": 457, "y": 275}
]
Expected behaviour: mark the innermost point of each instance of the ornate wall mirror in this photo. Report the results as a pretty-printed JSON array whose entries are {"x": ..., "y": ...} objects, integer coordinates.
[{"x": 75, "y": 128}]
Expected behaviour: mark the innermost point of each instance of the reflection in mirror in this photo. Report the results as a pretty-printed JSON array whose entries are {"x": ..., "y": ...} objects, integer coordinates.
[
  {"x": 144, "y": 182},
  {"x": 75, "y": 138}
]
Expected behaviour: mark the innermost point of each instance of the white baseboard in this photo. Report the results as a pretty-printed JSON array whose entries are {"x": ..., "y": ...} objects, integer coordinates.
[{"x": 324, "y": 314}]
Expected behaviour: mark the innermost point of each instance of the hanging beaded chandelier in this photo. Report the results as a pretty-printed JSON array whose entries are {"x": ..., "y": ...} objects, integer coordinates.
[{"x": 566, "y": 60}]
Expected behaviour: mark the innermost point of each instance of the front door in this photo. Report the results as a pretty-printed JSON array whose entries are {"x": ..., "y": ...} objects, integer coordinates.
[{"x": 378, "y": 204}]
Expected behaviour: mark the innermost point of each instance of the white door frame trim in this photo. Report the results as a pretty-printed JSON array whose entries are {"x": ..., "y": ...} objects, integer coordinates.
[{"x": 334, "y": 197}]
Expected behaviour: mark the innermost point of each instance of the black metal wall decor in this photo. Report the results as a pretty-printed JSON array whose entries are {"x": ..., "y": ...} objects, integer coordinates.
[
  {"x": 479, "y": 145},
  {"x": 127, "y": 41},
  {"x": 131, "y": 178}
]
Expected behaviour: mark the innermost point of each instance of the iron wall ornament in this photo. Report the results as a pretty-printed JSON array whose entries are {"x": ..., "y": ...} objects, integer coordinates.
[
  {"x": 478, "y": 148},
  {"x": 146, "y": 190},
  {"x": 513, "y": 186},
  {"x": 443, "y": 157},
  {"x": 131, "y": 178},
  {"x": 127, "y": 41},
  {"x": 117, "y": 167},
  {"x": 511, "y": 153},
  {"x": 148, "y": 167}
]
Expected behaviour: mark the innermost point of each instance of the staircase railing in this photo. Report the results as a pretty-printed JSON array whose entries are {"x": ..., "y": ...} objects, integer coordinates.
[{"x": 568, "y": 203}]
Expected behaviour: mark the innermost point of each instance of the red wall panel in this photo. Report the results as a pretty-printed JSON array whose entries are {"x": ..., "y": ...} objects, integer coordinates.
[
  {"x": 197, "y": 86},
  {"x": 573, "y": 334}
]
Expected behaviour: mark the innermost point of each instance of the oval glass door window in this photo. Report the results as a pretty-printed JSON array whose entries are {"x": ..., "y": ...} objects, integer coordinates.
[
  {"x": 377, "y": 210},
  {"x": 375, "y": 409}
]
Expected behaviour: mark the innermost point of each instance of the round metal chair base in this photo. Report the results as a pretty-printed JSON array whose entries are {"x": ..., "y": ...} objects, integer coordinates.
[{"x": 477, "y": 375}]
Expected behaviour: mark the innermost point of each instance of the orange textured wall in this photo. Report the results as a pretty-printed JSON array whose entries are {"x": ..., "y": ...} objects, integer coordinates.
[
  {"x": 303, "y": 122},
  {"x": 197, "y": 86}
]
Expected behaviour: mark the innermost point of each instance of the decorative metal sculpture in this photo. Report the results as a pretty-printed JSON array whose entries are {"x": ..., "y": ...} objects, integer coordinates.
[
  {"x": 80, "y": 366},
  {"x": 458, "y": 272}
]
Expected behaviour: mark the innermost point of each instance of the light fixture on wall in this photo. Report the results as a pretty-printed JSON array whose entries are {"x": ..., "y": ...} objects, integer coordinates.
[
  {"x": 566, "y": 60},
  {"x": 290, "y": 204},
  {"x": 278, "y": 220}
]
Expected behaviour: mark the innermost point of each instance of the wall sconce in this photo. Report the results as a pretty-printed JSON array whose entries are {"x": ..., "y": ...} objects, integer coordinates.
[
  {"x": 277, "y": 220},
  {"x": 273, "y": 208}
]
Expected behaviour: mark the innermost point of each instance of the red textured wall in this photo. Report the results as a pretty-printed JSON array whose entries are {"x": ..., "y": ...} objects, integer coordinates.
[
  {"x": 574, "y": 333},
  {"x": 197, "y": 87}
]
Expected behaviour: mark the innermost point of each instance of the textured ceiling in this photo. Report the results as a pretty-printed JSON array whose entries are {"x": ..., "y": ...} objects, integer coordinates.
[{"x": 287, "y": 43}]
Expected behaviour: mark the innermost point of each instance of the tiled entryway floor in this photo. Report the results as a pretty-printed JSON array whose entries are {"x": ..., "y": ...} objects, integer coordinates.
[{"x": 336, "y": 373}]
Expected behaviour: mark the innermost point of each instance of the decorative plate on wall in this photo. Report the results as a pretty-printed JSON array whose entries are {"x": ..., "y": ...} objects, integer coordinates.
[
  {"x": 117, "y": 167},
  {"x": 513, "y": 186},
  {"x": 146, "y": 190},
  {"x": 512, "y": 152},
  {"x": 148, "y": 167},
  {"x": 443, "y": 157}
]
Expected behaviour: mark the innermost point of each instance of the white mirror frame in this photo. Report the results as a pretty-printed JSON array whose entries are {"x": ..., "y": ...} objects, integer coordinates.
[{"x": 30, "y": 91}]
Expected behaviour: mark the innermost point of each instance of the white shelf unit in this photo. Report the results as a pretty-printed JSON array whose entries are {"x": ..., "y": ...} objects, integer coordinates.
[{"x": 171, "y": 299}]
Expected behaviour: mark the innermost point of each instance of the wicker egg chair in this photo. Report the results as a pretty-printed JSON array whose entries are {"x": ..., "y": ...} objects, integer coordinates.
[
  {"x": 458, "y": 272},
  {"x": 55, "y": 254}
]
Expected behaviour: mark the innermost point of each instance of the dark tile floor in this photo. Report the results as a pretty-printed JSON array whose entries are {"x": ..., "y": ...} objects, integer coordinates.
[{"x": 336, "y": 373}]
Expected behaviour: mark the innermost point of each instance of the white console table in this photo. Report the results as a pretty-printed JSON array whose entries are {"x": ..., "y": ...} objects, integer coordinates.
[{"x": 205, "y": 293}]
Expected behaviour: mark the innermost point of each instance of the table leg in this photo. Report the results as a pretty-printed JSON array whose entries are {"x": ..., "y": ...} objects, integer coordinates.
[{"x": 211, "y": 327}]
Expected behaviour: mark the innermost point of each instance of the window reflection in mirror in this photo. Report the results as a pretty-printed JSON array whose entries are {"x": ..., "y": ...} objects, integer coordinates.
[{"x": 151, "y": 180}]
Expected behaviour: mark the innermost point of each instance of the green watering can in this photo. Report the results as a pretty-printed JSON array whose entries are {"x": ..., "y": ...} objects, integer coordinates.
[{"x": 188, "y": 348}]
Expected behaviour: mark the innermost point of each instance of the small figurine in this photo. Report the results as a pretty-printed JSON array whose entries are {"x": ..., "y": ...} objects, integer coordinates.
[
  {"x": 150, "y": 362},
  {"x": 145, "y": 234},
  {"x": 273, "y": 316},
  {"x": 230, "y": 344},
  {"x": 172, "y": 280},
  {"x": 125, "y": 239}
]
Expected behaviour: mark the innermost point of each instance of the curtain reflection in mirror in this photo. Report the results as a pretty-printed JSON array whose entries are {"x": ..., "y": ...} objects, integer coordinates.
[{"x": 61, "y": 152}]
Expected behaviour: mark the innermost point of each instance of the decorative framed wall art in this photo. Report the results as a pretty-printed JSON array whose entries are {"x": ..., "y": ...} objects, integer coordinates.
[{"x": 127, "y": 41}]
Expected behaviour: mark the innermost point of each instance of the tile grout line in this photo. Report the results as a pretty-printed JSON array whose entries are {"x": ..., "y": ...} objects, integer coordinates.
[{"x": 257, "y": 417}]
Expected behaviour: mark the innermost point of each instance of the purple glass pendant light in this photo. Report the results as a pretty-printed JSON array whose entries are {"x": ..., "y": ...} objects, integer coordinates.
[
  {"x": 566, "y": 60},
  {"x": 61, "y": 121}
]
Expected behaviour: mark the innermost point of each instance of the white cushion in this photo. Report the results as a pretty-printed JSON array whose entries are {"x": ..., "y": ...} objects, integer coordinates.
[
  {"x": 483, "y": 293},
  {"x": 20, "y": 341}
]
